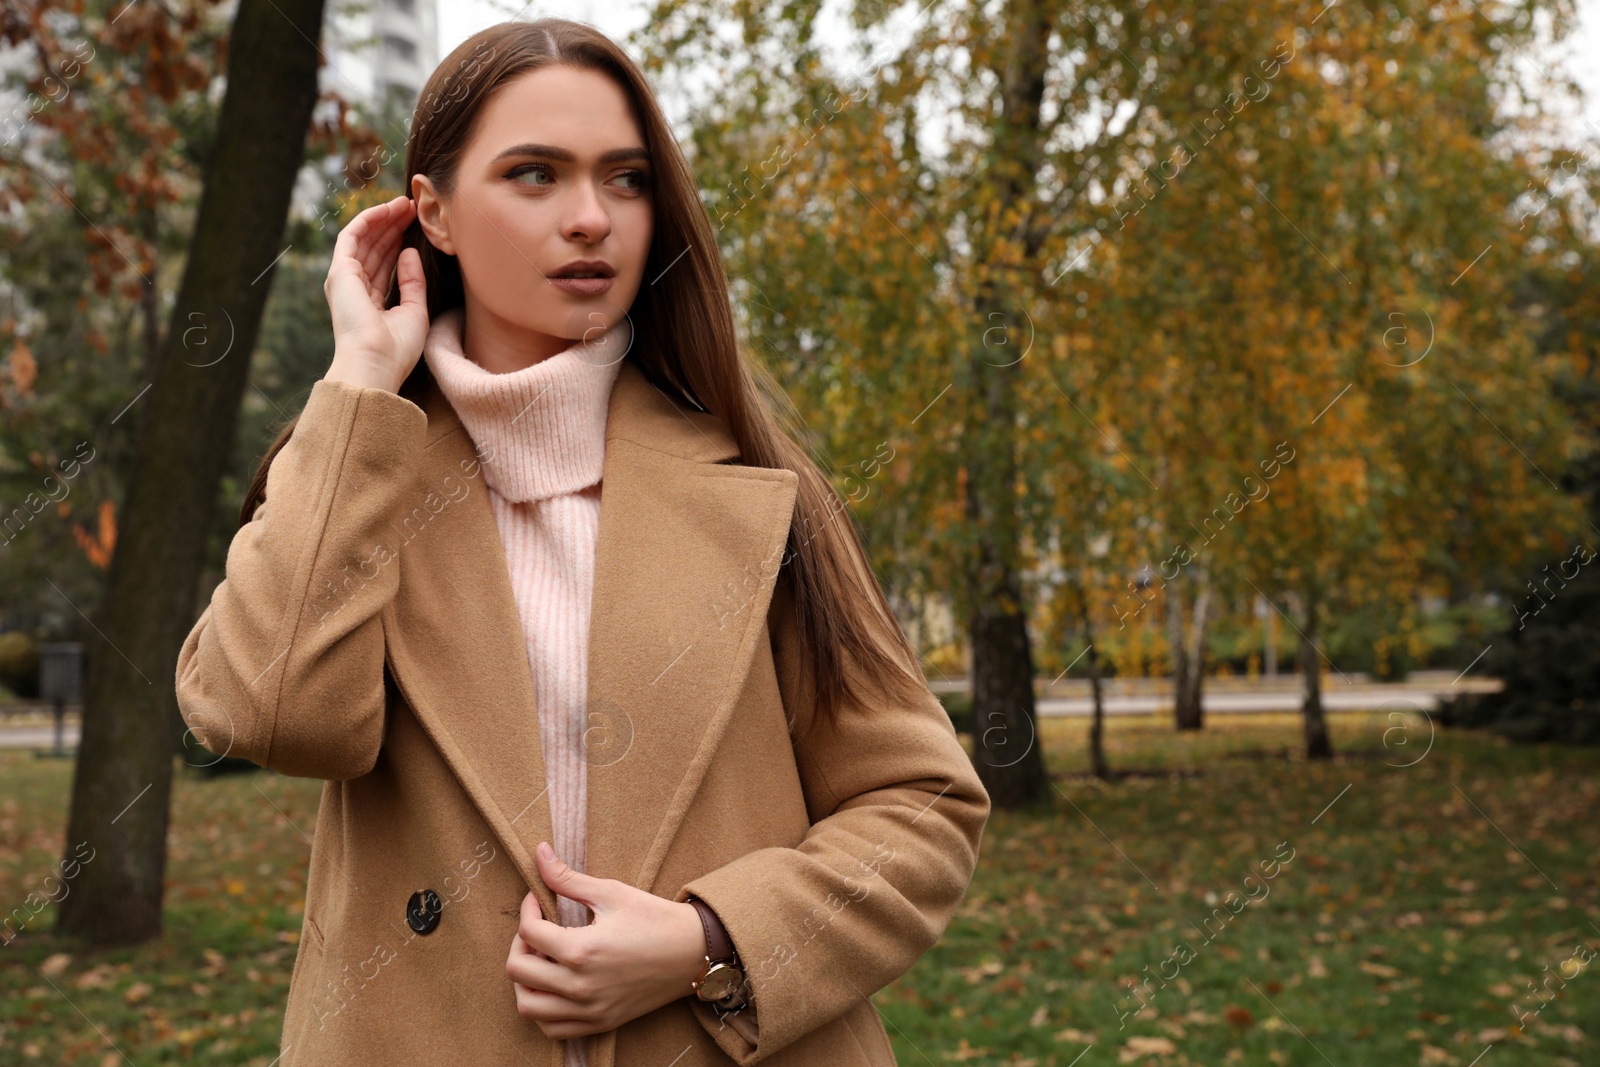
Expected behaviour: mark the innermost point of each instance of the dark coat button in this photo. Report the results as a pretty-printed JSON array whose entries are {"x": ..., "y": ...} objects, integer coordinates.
[{"x": 422, "y": 911}]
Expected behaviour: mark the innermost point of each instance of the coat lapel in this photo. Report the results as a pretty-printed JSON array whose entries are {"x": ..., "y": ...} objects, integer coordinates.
[{"x": 687, "y": 553}]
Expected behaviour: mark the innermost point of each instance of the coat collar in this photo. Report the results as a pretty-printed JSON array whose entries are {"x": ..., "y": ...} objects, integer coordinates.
[{"x": 679, "y": 591}]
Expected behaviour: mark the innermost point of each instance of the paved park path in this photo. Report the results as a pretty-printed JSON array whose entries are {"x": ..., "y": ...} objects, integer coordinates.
[{"x": 1136, "y": 696}]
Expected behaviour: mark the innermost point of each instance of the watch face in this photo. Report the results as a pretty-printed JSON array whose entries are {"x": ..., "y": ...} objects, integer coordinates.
[{"x": 722, "y": 981}]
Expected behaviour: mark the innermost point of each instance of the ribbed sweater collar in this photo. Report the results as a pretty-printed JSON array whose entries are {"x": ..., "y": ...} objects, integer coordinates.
[{"x": 540, "y": 431}]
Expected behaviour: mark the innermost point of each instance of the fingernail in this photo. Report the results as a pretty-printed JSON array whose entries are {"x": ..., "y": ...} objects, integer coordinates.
[{"x": 546, "y": 851}]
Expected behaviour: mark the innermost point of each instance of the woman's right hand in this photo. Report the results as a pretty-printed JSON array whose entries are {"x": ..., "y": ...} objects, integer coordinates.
[{"x": 374, "y": 346}]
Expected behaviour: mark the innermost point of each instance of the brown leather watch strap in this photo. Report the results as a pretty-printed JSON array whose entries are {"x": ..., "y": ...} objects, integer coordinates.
[{"x": 719, "y": 948}]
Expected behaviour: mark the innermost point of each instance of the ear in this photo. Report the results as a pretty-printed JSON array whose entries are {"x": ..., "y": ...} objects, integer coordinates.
[{"x": 432, "y": 213}]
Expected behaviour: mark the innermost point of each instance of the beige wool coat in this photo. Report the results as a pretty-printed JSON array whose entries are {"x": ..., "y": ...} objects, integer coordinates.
[{"x": 366, "y": 634}]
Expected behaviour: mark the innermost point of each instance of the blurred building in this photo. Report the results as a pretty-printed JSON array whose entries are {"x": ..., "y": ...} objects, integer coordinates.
[
  {"x": 378, "y": 55},
  {"x": 380, "y": 52}
]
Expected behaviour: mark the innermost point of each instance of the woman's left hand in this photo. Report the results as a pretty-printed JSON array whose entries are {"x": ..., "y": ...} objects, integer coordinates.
[{"x": 640, "y": 952}]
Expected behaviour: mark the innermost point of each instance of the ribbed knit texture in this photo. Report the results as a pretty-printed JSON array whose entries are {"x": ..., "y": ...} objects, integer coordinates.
[{"x": 540, "y": 435}]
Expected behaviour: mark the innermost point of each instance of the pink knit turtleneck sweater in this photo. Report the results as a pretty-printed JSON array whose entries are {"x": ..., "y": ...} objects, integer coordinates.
[{"x": 541, "y": 432}]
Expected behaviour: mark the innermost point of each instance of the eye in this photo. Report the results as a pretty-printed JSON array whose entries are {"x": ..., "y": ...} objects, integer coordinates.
[
  {"x": 517, "y": 173},
  {"x": 640, "y": 179}
]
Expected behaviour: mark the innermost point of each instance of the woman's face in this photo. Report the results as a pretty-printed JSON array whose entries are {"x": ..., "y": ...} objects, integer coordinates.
[{"x": 556, "y": 171}]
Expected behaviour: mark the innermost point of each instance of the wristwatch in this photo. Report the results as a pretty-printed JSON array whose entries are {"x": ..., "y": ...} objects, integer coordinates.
[{"x": 722, "y": 983}]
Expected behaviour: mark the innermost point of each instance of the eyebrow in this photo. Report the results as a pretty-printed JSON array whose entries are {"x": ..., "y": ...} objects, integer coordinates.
[{"x": 615, "y": 155}]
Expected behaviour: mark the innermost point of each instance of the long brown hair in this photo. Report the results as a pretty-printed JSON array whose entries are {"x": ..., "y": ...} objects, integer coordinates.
[{"x": 687, "y": 346}]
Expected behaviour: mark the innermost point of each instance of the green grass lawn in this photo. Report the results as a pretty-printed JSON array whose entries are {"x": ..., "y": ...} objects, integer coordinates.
[{"x": 1408, "y": 903}]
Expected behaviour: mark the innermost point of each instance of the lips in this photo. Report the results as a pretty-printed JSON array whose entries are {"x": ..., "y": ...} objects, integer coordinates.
[
  {"x": 586, "y": 268},
  {"x": 582, "y": 286}
]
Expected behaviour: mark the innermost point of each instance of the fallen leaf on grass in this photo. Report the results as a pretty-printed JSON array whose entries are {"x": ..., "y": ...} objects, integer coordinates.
[
  {"x": 96, "y": 977},
  {"x": 974, "y": 975},
  {"x": 965, "y": 1051},
  {"x": 1139, "y": 1047},
  {"x": 1565, "y": 1031}
]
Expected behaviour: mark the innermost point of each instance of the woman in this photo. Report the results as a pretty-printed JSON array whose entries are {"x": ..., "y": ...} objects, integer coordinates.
[{"x": 537, "y": 565}]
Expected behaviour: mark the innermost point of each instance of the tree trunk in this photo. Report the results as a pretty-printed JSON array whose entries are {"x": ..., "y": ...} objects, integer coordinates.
[
  {"x": 1002, "y": 662},
  {"x": 1318, "y": 745},
  {"x": 1008, "y": 757},
  {"x": 1097, "y": 724},
  {"x": 1188, "y": 648},
  {"x": 1269, "y": 626},
  {"x": 123, "y": 777}
]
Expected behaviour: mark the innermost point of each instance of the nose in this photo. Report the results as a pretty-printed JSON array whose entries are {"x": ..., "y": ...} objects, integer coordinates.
[{"x": 587, "y": 218}]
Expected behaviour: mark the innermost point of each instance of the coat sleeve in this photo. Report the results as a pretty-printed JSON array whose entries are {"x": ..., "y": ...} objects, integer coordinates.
[
  {"x": 285, "y": 667},
  {"x": 897, "y": 812}
]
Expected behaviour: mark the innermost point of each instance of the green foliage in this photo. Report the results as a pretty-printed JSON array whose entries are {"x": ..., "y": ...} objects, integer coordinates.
[
  {"x": 1547, "y": 652},
  {"x": 959, "y": 708},
  {"x": 1551, "y": 671},
  {"x": 1377, "y": 638}
]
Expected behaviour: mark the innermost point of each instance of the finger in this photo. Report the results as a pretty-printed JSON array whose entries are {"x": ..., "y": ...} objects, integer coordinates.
[
  {"x": 365, "y": 229},
  {"x": 413, "y": 287},
  {"x": 350, "y": 250},
  {"x": 540, "y": 934},
  {"x": 381, "y": 241},
  {"x": 347, "y": 293},
  {"x": 543, "y": 936},
  {"x": 387, "y": 235},
  {"x": 564, "y": 881},
  {"x": 527, "y": 967},
  {"x": 531, "y": 908},
  {"x": 549, "y": 1009},
  {"x": 366, "y": 221},
  {"x": 345, "y": 246}
]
